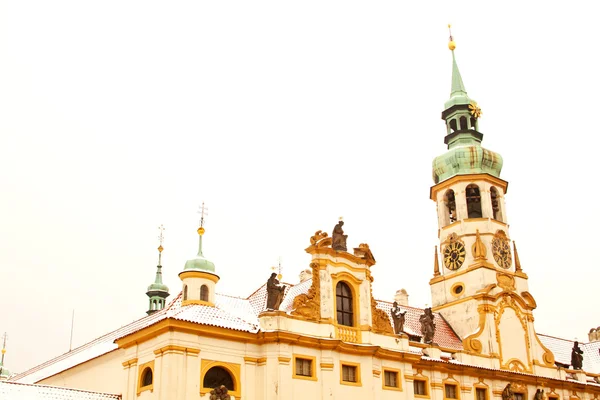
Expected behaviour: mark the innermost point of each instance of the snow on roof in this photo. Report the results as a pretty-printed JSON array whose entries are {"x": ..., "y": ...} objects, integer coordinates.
[
  {"x": 561, "y": 348},
  {"x": 22, "y": 391}
]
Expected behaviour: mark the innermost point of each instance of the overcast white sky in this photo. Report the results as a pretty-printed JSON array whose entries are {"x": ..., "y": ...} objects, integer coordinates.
[{"x": 119, "y": 116}]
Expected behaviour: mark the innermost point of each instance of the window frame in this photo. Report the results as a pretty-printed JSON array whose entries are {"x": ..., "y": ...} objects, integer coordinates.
[
  {"x": 233, "y": 369},
  {"x": 351, "y": 297},
  {"x": 425, "y": 381},
  {"x": 481, "y": 386},
  {"x": 356, "y": 366},
  {"x": 141, "y": 369},
  {"x": 313, "y": 369},
  {"x": 206, "y": 292},
  {"x": 456, "y": 391},
  {"x": 398, "y": 373}
]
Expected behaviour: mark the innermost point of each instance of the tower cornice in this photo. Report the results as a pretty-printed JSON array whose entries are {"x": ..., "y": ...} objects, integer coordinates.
[{"x": 433, "y": 191}]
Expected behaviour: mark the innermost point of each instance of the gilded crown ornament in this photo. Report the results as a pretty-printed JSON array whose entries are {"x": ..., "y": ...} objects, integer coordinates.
[{"x": 475, "y": 110}]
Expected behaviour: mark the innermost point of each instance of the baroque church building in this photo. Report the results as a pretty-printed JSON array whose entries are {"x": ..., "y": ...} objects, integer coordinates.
[{"x": 327, "y": 337}]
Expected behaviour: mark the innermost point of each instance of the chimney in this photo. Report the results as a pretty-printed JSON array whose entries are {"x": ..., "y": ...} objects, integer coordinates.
[
  {"x": 401, "y": 297},
  {"x": 305, "y": 275}
]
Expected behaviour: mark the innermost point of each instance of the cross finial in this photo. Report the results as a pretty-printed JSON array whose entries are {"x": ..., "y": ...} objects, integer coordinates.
[
  {"x": 203, "y": 213},
  {"x": 278, "y": 268},
  {"x": 5, "y": 336},
  {"x": 451, "y": 44},
  {"x": 161, "y": 238}
]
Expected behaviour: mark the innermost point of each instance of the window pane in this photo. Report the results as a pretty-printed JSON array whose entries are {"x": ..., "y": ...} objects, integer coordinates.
[
  {"x": 303, "y": 367},
  {"x": 346, "y": 306},
  {"x": 419, "y": 387},
  {"x": 348, "y": 373},
  {"x": 518, "y": 396},
  {"x": 450, "y": 391},
  {"x": 391, "y": 378},
  {"x": 481, "y": 394}
]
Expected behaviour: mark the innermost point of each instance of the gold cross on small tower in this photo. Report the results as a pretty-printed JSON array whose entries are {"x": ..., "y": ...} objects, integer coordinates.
[
  {"x": 161, "y": 238},
  {"x": 203, "y": 213}
]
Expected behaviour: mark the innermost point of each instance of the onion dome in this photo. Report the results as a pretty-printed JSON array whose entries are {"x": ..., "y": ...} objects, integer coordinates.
[{"x": 199, "y": 263}]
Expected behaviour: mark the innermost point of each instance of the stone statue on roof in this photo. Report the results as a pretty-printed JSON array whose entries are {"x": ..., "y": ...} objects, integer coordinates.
[
  {"x": 576, "y": 356},
  {"x": 338, "y": 238},
  {"x": 219, "y": 393},
  {"x": 275, "y": 292},
  {"x": 398, "y": 316},
  {"x": 539, "y": 395},
  {"x": 427, "y": 325}
]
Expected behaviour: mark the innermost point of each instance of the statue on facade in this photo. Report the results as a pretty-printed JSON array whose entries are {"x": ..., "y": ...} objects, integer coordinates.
[
  {"x": 427, "y": 325},
  {"x": 338, "y": 237},
  {"x": 507, "y": 393},
  {"x": 576, "y": 356},
  {"x": 275, "y": 292},
  {"x": 539, "y": 394},
  {"x": 398, "y": 317},
  {"x": 219, "y": 393}
]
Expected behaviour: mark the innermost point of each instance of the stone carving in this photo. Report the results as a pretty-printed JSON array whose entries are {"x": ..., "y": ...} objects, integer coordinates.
[
  {"x": 436, "y": 263},
  {"x": 379, "y": 318},
  {"x": 363, "y": 251},
  {"x": 275, "y": 292},
  {"x": 319, "y": 235},
  {"x": 479, "y": 251},
  {"x": 594, "y": 334},
  {"x": 398, "y": 316},
  {"x": 308, "y": 305},
  {"x": 507, "y": 393},
  {"x": 219, "y": 393},
  {"x": 427, "y": 325},
  {"x": 539, "y": 394},
  {"x": 338, "y": 237},
  {"x": 576, "y": 356},
  {"x": 505, "y": 281}
]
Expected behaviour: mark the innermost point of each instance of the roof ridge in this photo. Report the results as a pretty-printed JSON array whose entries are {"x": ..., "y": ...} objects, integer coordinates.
[{"x": 60, "y": 387}]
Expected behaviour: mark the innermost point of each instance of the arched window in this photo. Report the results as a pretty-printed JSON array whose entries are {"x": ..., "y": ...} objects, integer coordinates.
[
  {"x": 217, "y": 376},
  {"x": 147, "y": 377},
  {"x": 343, "y": 297},
  {"x": 496, "y": 204},
  {"x": 185, "y": 292},
  {"x": 473, "y": 202},
  {"x": 450, "y": 203},
  {"x": 204, "y": 293},
  {"x": 453, "y": 125},
  {"x": 473, "y": 123},
  {"x": 463, "y": 123}
]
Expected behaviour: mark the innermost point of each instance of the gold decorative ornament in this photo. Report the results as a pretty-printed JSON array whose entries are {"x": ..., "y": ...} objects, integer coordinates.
[
  {"x": 475, "y": 110},
  {"x": 501, "y": 250},
  {"x": 479, "y": 251},
  {"x": 308, "y": 305},
  {"x": 379, "y": 318},
  {"x": 454, "y": 253}
]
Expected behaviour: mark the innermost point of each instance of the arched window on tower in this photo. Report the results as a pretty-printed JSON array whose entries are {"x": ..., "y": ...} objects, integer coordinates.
[
  {"x": 343, "y": 298},
  {"x": 496, "y": 204},
  {"x": 473, "y": 202},
  {"x": 204, "y": 293},
  {"x": 217, "y": 376},
  {"x": 452, "y": 124},
  {"x": 185, "y": 292},
  {"x": 450, "y": 207},
  {"x": 473, "y": 123},
  {"x": 463, "y": 123}
]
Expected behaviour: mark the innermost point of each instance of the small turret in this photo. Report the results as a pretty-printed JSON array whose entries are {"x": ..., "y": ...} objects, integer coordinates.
[
  {"x": 4, "y": 372},
  {"x": 198, "y": 275},
  {"x": 158, "y": 292}
]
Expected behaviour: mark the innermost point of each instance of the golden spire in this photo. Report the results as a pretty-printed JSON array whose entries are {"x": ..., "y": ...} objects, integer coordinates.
[
  {"x": 161, "y": 238},
  {"x": 436, "y": 263},
  {"x": 203, "y": 212},
  {"x": 517, "y": 261},
  {"x": 451, "y": 44},
  {"x": 5, "y": 336},
  {"x": 479, "y": 251}
]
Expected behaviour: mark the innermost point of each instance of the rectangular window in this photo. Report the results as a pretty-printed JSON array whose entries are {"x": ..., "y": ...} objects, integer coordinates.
[
  {"x": 450, "y": 391},
  {"x": 480, "y": 394},
  {"x": 303, "y": 367},
  {"x": 349, "y": 373},
  {"x": 390, "y": 379},
  {"x": 420, "y": 388}
]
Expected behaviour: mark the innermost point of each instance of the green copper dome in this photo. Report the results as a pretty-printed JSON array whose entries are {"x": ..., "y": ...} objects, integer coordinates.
[
  {"x": 465, "y": 154},
  {"x": 199, "y": 263},
  {"x": 158, "y": 283},
  {"x": 472, "y": 159}
]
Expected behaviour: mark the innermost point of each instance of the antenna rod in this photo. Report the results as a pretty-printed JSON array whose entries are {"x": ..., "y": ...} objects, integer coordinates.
[{"x": 72, "y": 323}]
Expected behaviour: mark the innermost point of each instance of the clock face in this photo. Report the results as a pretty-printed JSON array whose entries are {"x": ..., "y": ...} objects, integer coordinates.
[
  {"x": 501, "y": 251},
  {"x": 454, "y": 255}
]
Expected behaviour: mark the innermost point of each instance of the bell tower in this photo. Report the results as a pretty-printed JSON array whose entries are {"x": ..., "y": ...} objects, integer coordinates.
[{"x": 479, "y": 286}]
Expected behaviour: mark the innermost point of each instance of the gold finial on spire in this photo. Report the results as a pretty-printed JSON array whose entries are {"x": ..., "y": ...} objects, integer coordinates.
[
  {"x": 451, "y": 44},
  {"x": 278, "y": 268},
  {"x": 203, "y": 212},
  {"x": 161, "y": 238},
  {"x": 436, "y": 264},
  {"x": 5, "y": 336}
]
